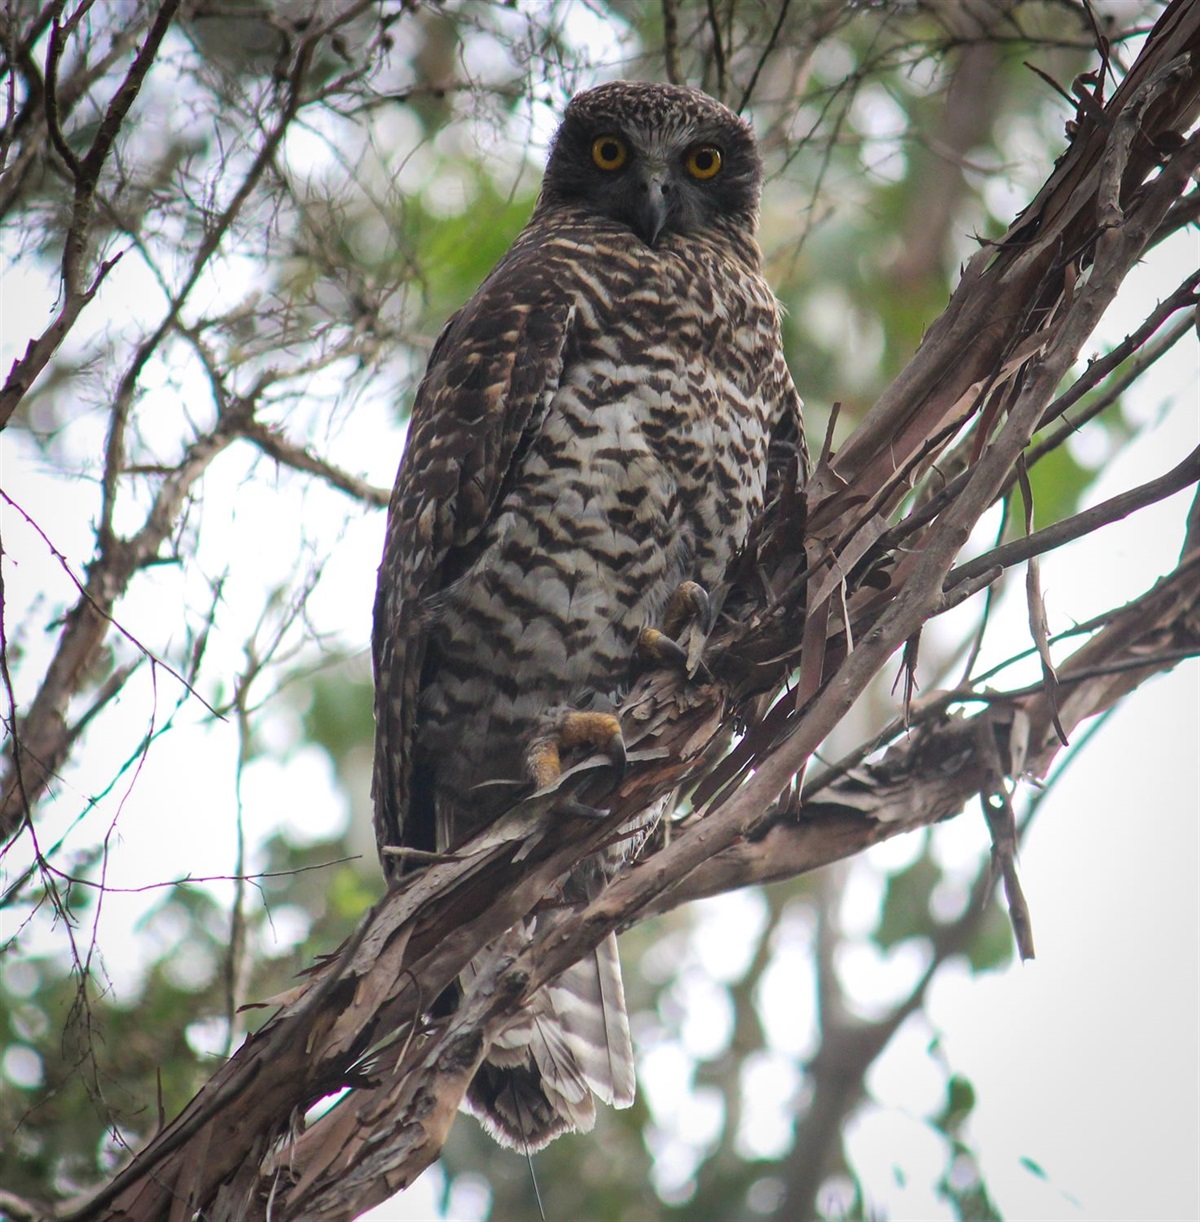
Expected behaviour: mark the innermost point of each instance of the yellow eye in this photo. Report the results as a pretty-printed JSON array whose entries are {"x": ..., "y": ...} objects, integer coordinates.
[
  {"x": 704, "y": 162},
  {"x": 609, "y": 152}
]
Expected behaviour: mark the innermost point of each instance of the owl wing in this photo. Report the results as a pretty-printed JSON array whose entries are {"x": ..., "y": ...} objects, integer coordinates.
[{"x": 491, "y": 376}]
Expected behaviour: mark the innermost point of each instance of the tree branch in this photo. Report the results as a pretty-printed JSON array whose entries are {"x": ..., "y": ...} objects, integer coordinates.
[
  {"x": 86, "y": 174},
  {"x": 1075, "y": 527},
  {"x": 42, "y": 735}
]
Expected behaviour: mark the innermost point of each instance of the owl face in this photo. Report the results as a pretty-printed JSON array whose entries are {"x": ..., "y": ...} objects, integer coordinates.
[{"x": 659, "y": 158}]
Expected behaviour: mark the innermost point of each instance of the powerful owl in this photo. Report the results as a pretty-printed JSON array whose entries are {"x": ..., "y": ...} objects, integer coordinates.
[{"x": 587, "y": 451}]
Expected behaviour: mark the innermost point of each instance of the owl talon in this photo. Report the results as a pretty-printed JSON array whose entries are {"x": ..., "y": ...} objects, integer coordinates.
[
  {"x": 616, "y": 754},
  {"x": 657, "y": 649},
  {"x": 601, "y": 731},
  {"x": 687, "y": 606}
]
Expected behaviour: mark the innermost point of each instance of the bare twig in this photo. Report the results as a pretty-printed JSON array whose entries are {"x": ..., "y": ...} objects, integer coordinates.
[
  {"x": 1083, "y": 523},
  {"x": 765, "y": 54},
  {"x": 86, "y": 175},
  {"x": 65, "y": 565},
  {"x": 717, "y": 43},
  {"x": 297, "y": 457},
  {"x": 670, "y": 19},
  {"x": 43, "y": 733}
]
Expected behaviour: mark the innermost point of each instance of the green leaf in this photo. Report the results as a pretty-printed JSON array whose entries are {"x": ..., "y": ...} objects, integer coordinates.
[
  {"x": 1032, "y": 1167},
  {"x": 1059, "y": 483},
  {"x": 340, "y": 713},
  {"x": 906, "y": 903},
  {"x": 960, "y": 1101},
  {"x": 992, "y": 946},
  {"x": 460, "y": 250}
]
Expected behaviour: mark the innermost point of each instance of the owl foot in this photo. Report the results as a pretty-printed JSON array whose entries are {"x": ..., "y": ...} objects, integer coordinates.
[
  {"x": 686, "y": 608},
  {"x": 573, "y": 728}
]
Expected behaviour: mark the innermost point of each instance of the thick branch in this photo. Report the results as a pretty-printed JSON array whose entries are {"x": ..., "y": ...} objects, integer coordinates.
[{"x": 931, "y": 774}]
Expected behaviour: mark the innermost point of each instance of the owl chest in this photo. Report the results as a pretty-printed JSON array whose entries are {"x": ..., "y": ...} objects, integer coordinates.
[
  {"x": 649, "y": 462},
  {"x": 664, "y": 456},
  {"x": 641, "y": 475}
]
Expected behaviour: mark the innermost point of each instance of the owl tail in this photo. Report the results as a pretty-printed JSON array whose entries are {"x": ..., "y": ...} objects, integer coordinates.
[{"x": 569, "y": 1045}]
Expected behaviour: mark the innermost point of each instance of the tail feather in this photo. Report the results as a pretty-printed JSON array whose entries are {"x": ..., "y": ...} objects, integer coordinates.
[
  {"x": 589, "y": 1001},
  {"x": 569, "y": 1044}
]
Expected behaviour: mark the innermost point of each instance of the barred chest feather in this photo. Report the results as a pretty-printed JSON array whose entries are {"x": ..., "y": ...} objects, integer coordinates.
[{"x": 646, "y": 471}]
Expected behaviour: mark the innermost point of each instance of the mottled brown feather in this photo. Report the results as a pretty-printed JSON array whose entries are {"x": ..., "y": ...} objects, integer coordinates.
[
  {"x": 600, "y": 423},
  {"x": 482, "y": 392}
]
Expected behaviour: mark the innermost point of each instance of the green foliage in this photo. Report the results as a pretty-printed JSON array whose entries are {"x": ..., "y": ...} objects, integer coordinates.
[
  {"x": 964, "y": 1190},
  {"x": 960, "y": 1100},
  {"x": 906, "y": 902},
  {"x": 338, "y": 712},
  {"x": 328, "y": 884},
  {"x": 89, "y": 1071},
  {"x": 105, "y": 1062},
  {"x": 1058, "y": 481},
  {"x": 460, "y": 249},
  {"x": 992, "y": 946}
]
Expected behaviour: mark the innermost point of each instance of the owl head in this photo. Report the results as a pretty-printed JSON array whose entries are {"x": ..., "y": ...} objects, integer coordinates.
[{"x": 658, "y": 158}]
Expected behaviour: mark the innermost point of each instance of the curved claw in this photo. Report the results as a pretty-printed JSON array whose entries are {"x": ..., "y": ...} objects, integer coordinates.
[
  {"x": 659, "y": 649},
  {"x": 685, "y": 618},
  {"x": 617, "y": 756},
  {"x": 688, "y": 605},
  {"x": 573, "y": 728}
]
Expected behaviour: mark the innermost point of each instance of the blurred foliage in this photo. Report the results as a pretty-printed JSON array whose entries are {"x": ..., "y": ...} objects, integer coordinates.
[
  {"x": 877, "y": 190},
  {"x": 91, "y": 1068}
]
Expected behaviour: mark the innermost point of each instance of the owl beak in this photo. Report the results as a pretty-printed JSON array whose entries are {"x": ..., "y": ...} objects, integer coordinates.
[{"x": 654, "y": 204}]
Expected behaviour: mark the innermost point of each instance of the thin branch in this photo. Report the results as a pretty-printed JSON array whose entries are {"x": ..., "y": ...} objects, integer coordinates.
[
  {"x": 86, "y": 596},
  {"x": 976, "y": 646},
  {"x": 1130, "y": 372},
  {"x": 43, "y": 732},
  {"x": 192, "y": 880},
  {"x": 1002, "y": 825},
  {"x": 1185, "y": 212},
  {"x": 1086, "y": 522},
  {"x": 718, "y": 47},
  {"x": 54, "y": 51},
  {"x": 23, "y": 806},
  {"x": 765, "y": 54},
  {"x": 297, "y": 457},
  {"x": 1132, "y": 357},
  {"x": 86, "y": 174},
  {"x": 670, "y": 20},
  {"x": 214, "y": 234}
]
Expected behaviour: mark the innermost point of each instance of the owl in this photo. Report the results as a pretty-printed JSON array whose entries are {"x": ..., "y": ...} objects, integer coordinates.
[{"x": 587, "y": 451}]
